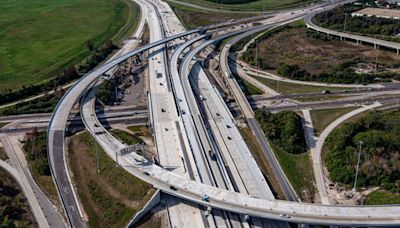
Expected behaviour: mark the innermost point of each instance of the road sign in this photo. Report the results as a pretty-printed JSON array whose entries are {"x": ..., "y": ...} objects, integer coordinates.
[{"x": 132, "y": 148}]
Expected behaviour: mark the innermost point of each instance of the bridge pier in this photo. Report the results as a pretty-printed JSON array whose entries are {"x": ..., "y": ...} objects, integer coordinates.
[{"x": 397, "y": 51}]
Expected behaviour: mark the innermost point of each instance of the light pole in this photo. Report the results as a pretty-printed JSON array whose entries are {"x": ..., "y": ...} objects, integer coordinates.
[
  {"x": 358, "y": 164},
  {"x": 97, "y": 151}
]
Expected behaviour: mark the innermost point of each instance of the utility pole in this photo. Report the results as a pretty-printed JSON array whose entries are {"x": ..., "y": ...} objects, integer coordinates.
[
  {"x": 376, "y": 61},
  {"x": 116, "y": 159},
  {"x": 358, "y": 164},
  {"x": 256, "y": 54},
  {"x": 263, "y": 6},
  {"x": 97, "y": 151},
  {"x": 345, "y": 21}
]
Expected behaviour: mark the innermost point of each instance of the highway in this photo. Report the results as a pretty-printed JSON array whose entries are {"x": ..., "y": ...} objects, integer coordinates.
[
  {"x": 219, "y": 118},
  {"x": 57, "y": 126},
  {"x": 348, "y": 102},
  {"x": 248, "y": 113},
  {"x": 183, "y": 186},
  {"x": 240, "y": 179},
  {"x": 44, "y": 211},
  {"x": 268, "y": 75},
  {"x": 167, "y": 130},
  {"x": 376, "y": 42},
  {"x": 316, "y": 152}
]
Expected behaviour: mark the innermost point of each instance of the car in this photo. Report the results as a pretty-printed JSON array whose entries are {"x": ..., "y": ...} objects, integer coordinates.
[
  {"x": 201, "y": 97},
  {"x": 12, "y": 128},
  {"x": 173, "y": 188},
  {"x": 229, "y": 138},
  {"x": 161, "y": 84},
  {"x": 218, "y": 114},
  {"x": 162, "y": 110},
  {"x": 228, "y": 126},
  {"x": 205, "y": 198}
]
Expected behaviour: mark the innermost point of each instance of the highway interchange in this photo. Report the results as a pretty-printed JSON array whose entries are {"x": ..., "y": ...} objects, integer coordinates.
[{"x": 201, "y": 155}]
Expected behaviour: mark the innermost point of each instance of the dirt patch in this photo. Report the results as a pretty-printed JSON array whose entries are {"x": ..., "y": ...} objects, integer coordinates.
[
  {"x": 292, "y": 46},
  {"x": 111, "y": 197}
]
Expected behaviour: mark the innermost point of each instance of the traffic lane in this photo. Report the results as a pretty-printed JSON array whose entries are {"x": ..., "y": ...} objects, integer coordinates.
[
  {"x": 325, "y": 93},
  {"x": 77, "y": 125},
  {"x": 326, "y": 104},
  {"x": 102, "y": 112}
]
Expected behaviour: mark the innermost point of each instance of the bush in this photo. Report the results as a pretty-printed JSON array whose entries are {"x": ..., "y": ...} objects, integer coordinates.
[
  {"x": 232, "y": 1},
  {"x": 380, "y": 155},
  {"x": 335, "y": 19},
  {"x": 105, "y": 93},
  {"x": 69, "y": 74},
  {"x": 36, "y": 150},
  {"x": 284, "y": 129}
]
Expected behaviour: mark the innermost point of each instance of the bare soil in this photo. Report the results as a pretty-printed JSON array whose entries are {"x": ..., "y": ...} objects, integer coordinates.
[{"x": 292, "y": 46}]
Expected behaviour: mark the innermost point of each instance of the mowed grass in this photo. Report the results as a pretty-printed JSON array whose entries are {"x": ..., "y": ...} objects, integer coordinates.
[
  {"x": 126, "y": 137},
  {"x": 262, "y": 161},
  {"x": 298, "y": 169},
  {"x": 110, "y": 198},
  {"x": 290, "y": 88},
  {"x": 3, "y": 124},
  {"x": 382, "y": 197},
  {"x": 193, "y": 18},
  {"x": 322, "y": 118},
  {"x": 40, "y": 38},
  {"x": 250, "y": 89},
  {"x": 136, "y": 128},
  {"x": 251, "y": 6}
]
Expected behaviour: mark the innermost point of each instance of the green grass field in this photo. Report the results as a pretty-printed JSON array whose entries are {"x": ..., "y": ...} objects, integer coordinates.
[
  {"x": 125, "y": 137},
  {"x": 381, "y": 197},
  {"x": 322, "y": 118},
  {"x": 251, "y": 6},
  {"x": 40, "y": 38},
  {"x": 111, "y": 197},
  {"x": 193, "y": 18},
  {"x": 262, "y": 161},
  {"x": 298, "y": 169},
  {"x": 290, "y": 88}
]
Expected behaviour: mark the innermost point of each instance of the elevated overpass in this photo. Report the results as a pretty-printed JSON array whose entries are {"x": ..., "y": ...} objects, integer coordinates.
[
  {"x": 57, "y": 127},
  {"x": 375, "y": 42},
  {"x": 191, "y": 190}
]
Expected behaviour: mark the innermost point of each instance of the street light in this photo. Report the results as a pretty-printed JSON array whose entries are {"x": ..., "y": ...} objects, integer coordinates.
[
  {"x": 97, "y": 151},
  {"x": 358, "y": 164}
]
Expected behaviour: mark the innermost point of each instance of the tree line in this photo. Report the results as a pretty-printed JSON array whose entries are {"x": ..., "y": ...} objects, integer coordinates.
[
  {"x": 232, "y": 1},
  {"x": 36, "y": 151},
  {"x": 68, "y": 74},
  {"x": 284, "y": 129},
  {"x": 379, "y": 133},
  {"x": 340, "y": 18}
]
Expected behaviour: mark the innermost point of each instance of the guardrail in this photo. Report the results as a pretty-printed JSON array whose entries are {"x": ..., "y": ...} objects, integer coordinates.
[
  {"x": 376, "y": 42},
  {"x": 59, "y": 118}
]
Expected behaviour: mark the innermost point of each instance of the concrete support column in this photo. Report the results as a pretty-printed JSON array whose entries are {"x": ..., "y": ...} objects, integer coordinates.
[{"x": 398, "y": 51}]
